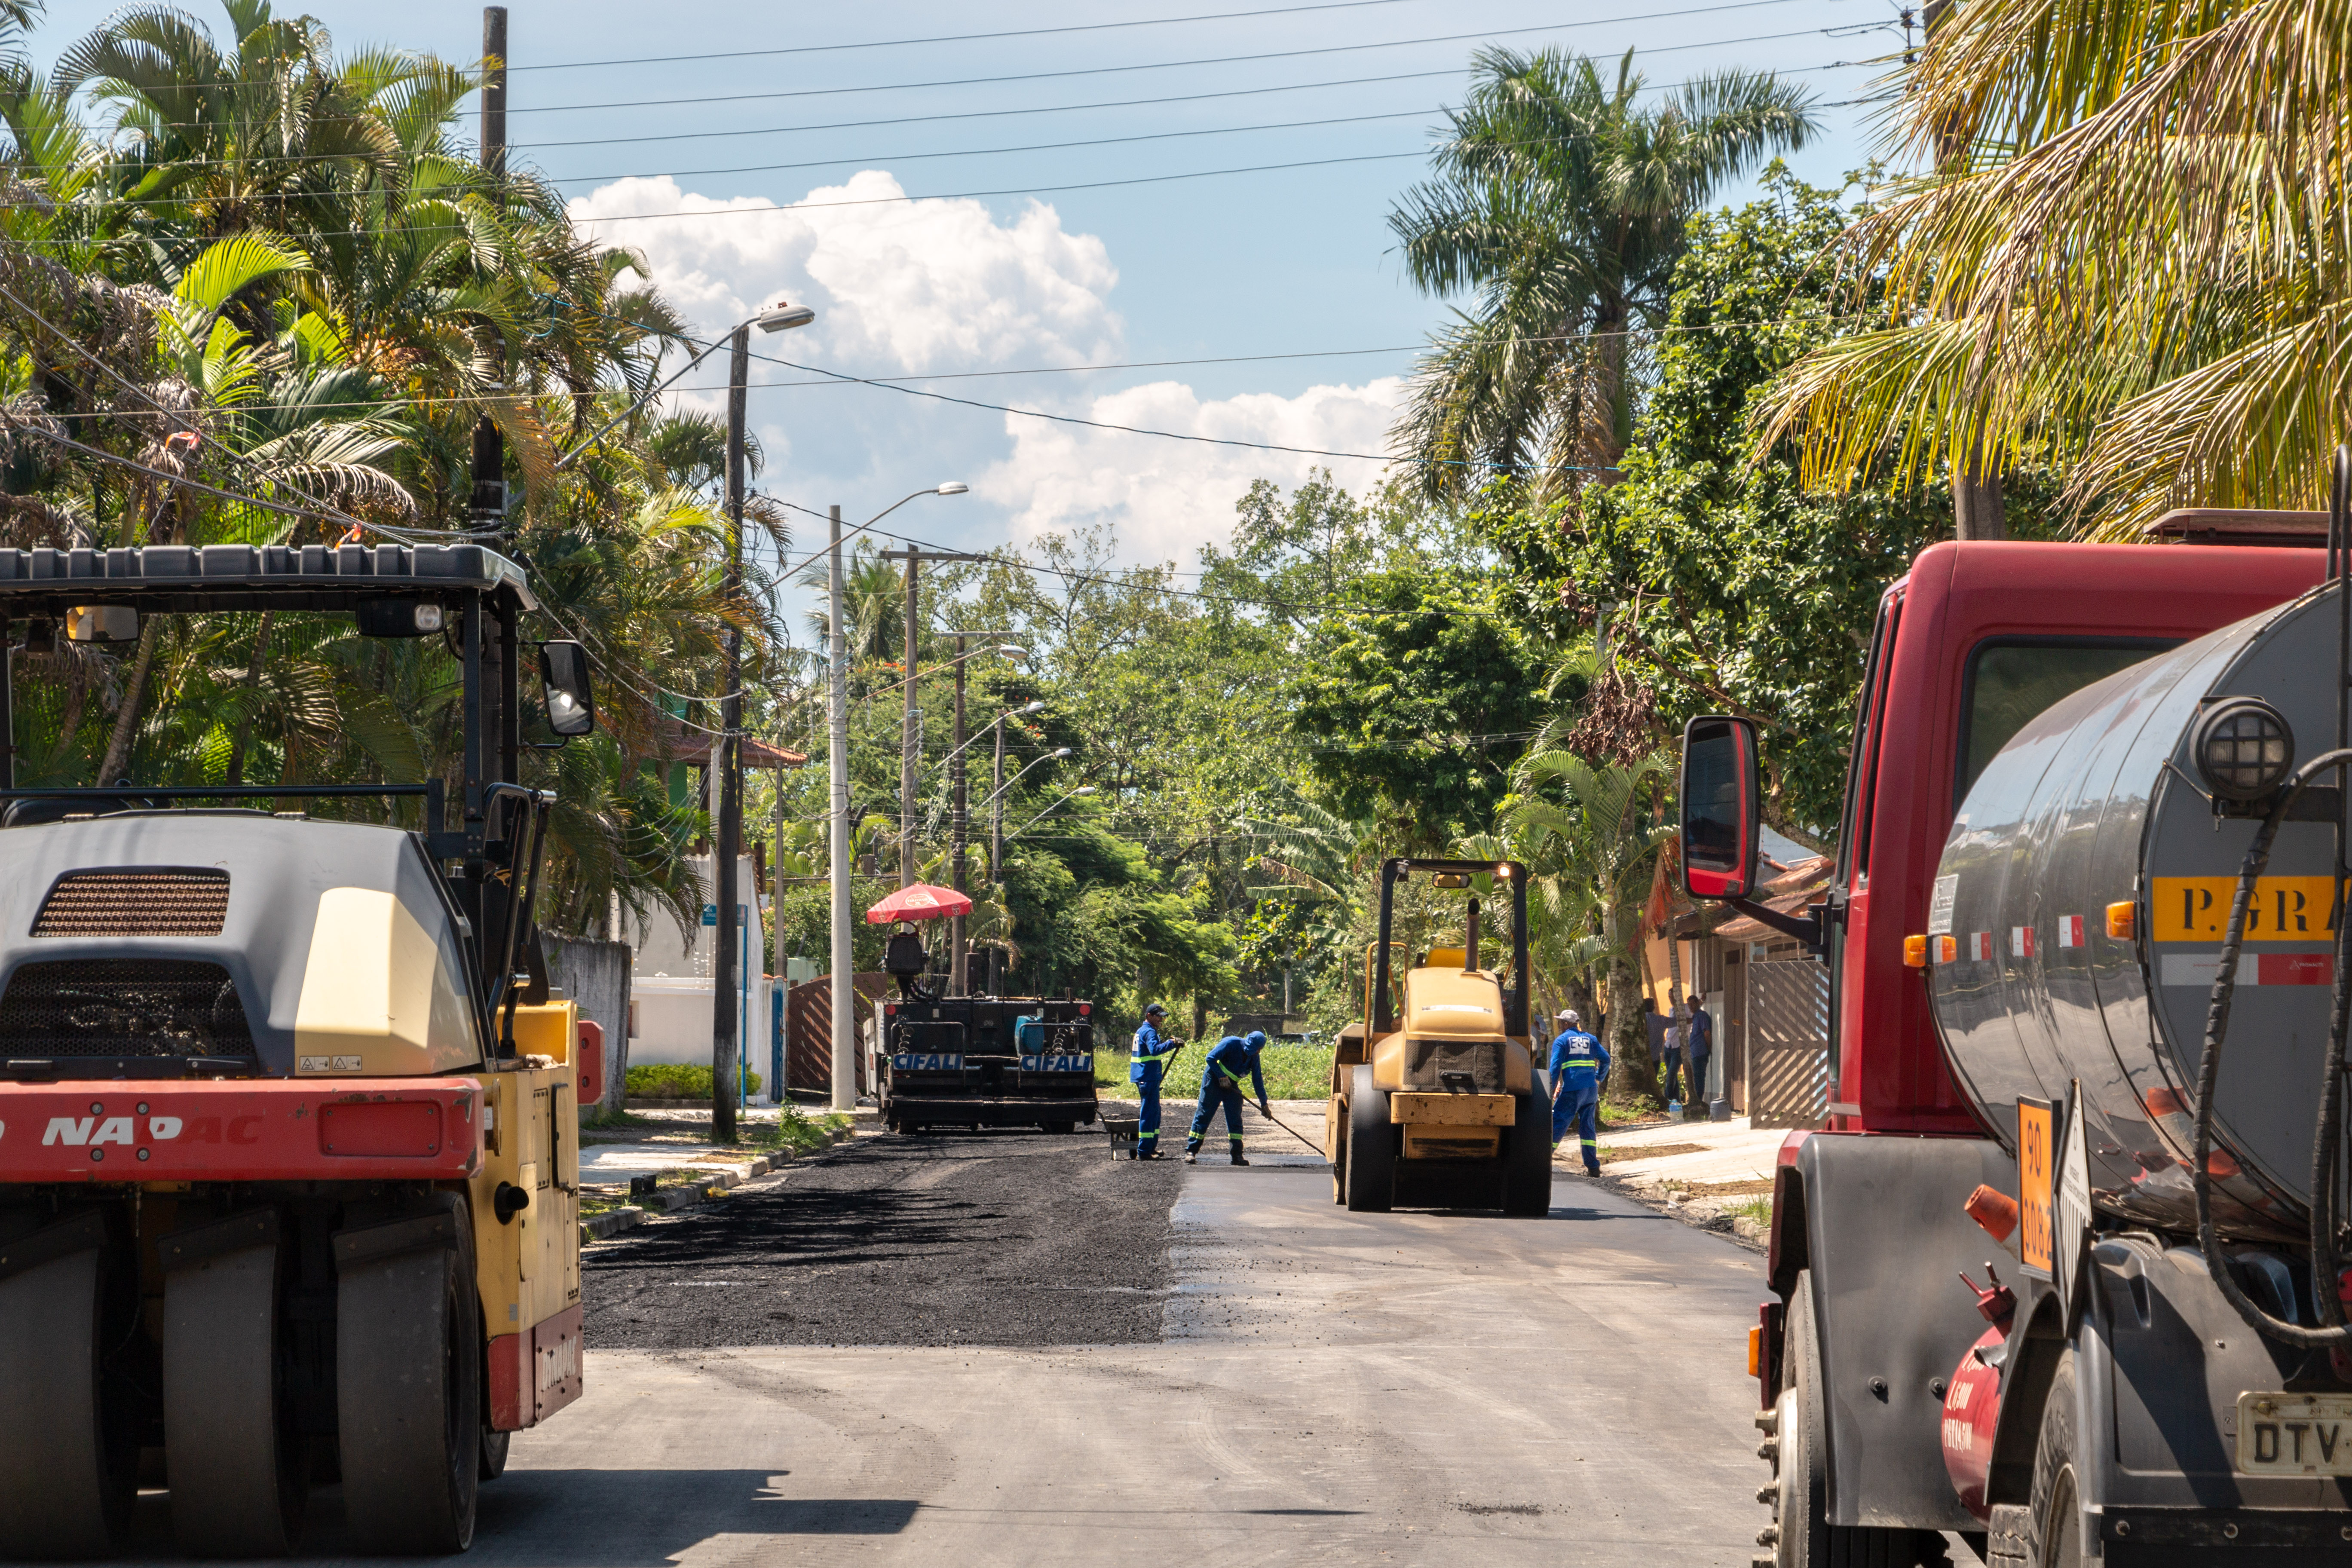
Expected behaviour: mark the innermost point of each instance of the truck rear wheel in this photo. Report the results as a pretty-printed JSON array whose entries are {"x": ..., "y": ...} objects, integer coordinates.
[
  {"x": 408, "y": 1358},
  {"x": 2050, "y": 1534},
  {"x": 1800, "y": 1535},
  {"x": 1526, "y": 1157},
  {"x": 1371, "y": 1160},
  {"x": 68, "y": 1462},
  {"x": 239, "y": 1477}
]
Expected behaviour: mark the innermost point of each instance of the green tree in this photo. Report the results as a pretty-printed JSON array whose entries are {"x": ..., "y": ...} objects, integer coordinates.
[
  {"x": 1559, "y": 202},
  {"x": 1739, "y": 589},
  {"x": 1416, "y": 697}
]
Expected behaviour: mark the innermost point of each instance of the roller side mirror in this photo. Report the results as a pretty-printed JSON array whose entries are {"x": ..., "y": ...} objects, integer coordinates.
[{"x": 563, "y": 682}]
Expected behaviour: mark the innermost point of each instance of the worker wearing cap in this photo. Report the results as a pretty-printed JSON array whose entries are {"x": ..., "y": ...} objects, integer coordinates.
[
  {"x": 1579, "y": 1062},
  {"x": 1152, "y": 1052},
  {"x": 1221, "y": 1084}
]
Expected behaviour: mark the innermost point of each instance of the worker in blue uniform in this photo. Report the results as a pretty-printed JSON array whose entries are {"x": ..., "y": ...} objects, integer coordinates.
[
  {"x": 1221, "y": 1084},
  {"x": 1579, "y": 1063},
  {"x": 1152, "y": 1053}
]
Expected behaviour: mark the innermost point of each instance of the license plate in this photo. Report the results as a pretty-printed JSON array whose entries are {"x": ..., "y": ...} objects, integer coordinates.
[
  {"x": 1057, "y": 1064},
  {"x": 2294, "y": 1433},
  {"x": 920, "y": 1062}
]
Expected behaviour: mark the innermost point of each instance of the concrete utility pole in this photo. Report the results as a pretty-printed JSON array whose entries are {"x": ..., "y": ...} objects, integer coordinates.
[
  {"x": 727, "y": 760},
  {"x": 1977, "y": 511},
  {"x": 845, "y": 1024}
]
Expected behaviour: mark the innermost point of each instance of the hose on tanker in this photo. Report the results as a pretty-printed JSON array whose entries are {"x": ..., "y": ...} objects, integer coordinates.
[
  {"x": 2328, "y": 1135},
  {"x": 2325, "y": 1136}
]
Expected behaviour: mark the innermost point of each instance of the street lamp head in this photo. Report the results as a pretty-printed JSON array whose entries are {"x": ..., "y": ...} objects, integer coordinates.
[
  {"x": 953, "y": 488},
  {"x": 1084, "y": 789},
  {"x": 1038, "y": 707},
  {"x": 782, "y": 316},
  {"x": 1062, "y": 751},
  {"x": 1009, "y": 651}
]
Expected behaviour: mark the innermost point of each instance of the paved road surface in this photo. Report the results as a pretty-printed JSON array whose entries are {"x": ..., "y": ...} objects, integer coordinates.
[{"x": 1274, "y": 1381}]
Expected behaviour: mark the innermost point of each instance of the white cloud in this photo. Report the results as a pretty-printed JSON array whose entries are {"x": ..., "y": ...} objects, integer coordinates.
[
  {"x": 1167, "y": 497},
  {"x": 928, "y": 285}
]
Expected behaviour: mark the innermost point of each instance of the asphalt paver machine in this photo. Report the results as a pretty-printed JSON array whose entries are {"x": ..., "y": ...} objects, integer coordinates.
[
  {"x": 289, "y": 1118},
  {"x": 1435, "y": 1096}
]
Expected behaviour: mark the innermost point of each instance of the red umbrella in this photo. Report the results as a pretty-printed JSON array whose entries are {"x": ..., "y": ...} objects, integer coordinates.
[{"x": 920, "y": 902}]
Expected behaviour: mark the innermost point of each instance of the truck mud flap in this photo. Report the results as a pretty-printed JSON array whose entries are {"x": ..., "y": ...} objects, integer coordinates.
[{"x": 1887, "y": 1240}]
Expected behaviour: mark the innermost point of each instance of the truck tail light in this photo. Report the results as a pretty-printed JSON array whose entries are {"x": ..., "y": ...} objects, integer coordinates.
[
  {"x": 1755, "y": 1352},
  {"x": 2120, "y": 921},
  {"x": 1915, "y": 952}
]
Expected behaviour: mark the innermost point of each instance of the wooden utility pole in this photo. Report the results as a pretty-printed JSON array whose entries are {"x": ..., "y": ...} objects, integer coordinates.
[
  {"x": 488, "y": 506},
  {"x": 956, "y": 959},
  {"x": 910, "y": 740},
  {"x": 727, "y": 758}
]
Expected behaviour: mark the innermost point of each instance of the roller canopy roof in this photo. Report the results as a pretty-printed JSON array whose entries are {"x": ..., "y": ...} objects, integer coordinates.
[{"x": 187, "y": 577}]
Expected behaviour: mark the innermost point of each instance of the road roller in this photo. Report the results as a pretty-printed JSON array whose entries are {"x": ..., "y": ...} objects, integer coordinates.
[
  {"x": 2064, "y": 1272},
  {"x": 1435, "y": 1097},
  {"x": 289, "y": 1111}
]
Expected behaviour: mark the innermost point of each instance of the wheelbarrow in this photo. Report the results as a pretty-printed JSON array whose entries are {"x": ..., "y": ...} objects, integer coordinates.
[{"x": 1124, "y": 1128}]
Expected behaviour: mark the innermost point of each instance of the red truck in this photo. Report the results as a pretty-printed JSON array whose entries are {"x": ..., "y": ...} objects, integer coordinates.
[{"x": 2085, "y": 970}]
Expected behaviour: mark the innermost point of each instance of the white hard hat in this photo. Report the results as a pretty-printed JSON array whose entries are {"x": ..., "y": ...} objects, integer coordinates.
[{"x": 1567, "y": 1016}]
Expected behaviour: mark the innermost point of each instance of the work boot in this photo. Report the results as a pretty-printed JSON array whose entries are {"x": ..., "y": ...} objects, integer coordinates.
[
  {"x": 1192, "y": 1157},
  {"x": 1240, "y": 1158}
]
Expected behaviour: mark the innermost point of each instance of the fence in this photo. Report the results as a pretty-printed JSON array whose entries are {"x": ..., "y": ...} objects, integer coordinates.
[
  {"x": 1787, "y": 1043},
  {"x": 808, "y": 1033}
]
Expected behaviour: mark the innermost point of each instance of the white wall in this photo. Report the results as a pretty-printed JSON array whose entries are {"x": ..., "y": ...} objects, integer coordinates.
[{"x": 670, "y": 989}]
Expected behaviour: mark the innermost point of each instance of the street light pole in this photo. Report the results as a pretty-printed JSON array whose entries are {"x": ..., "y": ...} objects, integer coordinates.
[
  {"x": 844, "y": 1075},
  {"x": 727, "y": 758},
  {"x": 911, "y": 744}
]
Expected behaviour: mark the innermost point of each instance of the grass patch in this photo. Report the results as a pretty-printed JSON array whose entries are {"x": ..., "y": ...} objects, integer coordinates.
[
  {"x": 1292, "y": 1072},
  {"x": 677, "y": 1080},
  {"x": 794, "y": 1130},
  {"x": 1758, "y": 1209},
  {"x": 1647, "y": 1151}
]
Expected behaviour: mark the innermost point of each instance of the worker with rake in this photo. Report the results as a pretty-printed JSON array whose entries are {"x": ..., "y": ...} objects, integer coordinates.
[
  {"x": 1221, "y": 1084},
  {"x": 1152, "y": 1053}
]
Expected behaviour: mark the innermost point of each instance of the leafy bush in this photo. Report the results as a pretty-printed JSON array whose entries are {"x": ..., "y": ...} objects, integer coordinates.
[
  {"x": 1292, "y": 1072},
  {"x": 677, "y": 1080}
]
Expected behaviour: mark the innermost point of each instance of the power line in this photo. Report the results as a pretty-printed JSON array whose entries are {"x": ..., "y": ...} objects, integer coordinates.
[
  {"x": 1191, "y": 64},
  {"x": 956, "y": 37}
]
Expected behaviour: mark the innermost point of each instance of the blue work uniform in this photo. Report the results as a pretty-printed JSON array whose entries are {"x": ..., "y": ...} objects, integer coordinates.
[
  {"x": 1579, "y": 1062},
  {"x": 1153, "y": 1050},
  {"x": 1221, "y": 1085}
]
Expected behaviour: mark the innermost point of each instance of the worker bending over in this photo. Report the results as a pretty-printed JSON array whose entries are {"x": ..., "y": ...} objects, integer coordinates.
[
  {"x": 1152, "y": 1053},
  {"x": 1579, "y": 1064},
  {"x": 1221, "y": 1084}
]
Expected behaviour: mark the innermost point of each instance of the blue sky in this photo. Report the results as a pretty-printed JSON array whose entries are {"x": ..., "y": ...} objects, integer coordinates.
[{"x": 678, "y": 158}]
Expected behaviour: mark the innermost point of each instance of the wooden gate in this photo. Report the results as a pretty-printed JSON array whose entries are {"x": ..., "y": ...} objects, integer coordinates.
[
  {"x": 1787, "y": 1043},
  {"x": 808, "y": 1032}
]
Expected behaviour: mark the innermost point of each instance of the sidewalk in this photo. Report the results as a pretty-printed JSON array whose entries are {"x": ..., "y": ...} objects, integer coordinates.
[
  {"x": 673, "y": 1146},
  {"x": 1713, "y": 1174}
]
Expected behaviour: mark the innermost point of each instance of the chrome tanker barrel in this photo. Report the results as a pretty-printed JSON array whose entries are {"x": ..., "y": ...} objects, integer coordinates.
[{"x": 2080, "y": 909}]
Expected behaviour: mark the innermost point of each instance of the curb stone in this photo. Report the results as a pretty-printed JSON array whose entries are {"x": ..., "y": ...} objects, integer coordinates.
[{"x": 670, "y": 1201}]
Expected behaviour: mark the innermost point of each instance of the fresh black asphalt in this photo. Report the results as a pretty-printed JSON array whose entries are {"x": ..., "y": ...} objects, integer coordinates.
[{"x": 975, "y": 1238}]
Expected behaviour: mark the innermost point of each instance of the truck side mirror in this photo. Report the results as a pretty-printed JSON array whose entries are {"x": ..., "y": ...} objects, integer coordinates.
[
  {"x": 1722, "y": 808},
  {"x": 563, "y": 682}
]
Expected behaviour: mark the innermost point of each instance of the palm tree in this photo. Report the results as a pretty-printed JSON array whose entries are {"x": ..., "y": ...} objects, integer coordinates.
[
  {"x": 2128, "y": 264},
  {"x": 1588, "y": 826},
  {"x": 1559, "y": 201}
]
